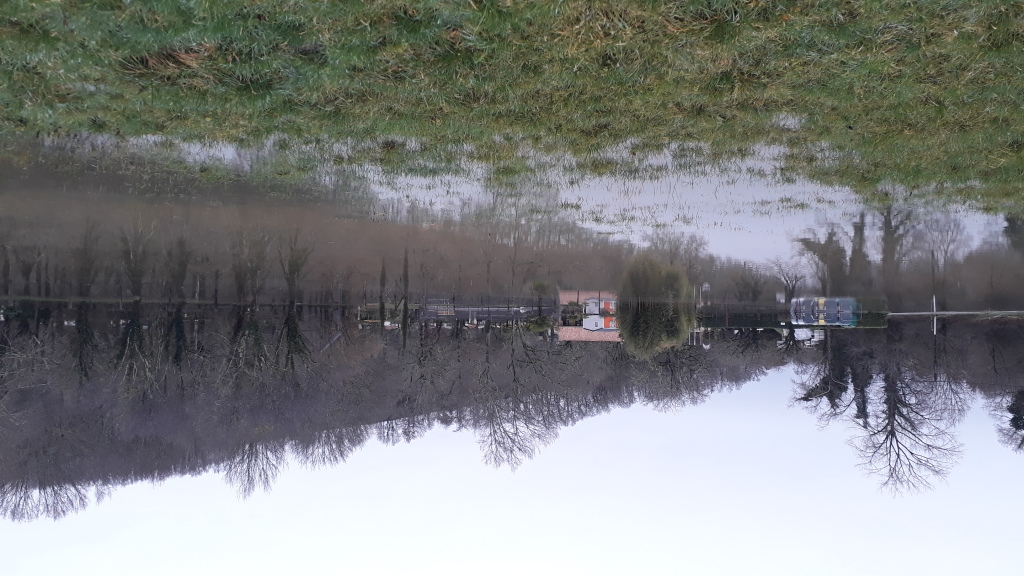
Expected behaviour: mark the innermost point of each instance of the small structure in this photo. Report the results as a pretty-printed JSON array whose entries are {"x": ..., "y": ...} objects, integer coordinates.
[
  {"x": 824, "y": 311},
  {"x": 599, "y": 323},
  {"x": 594, "y": 323},
  {"x": 599, "y": 305}
]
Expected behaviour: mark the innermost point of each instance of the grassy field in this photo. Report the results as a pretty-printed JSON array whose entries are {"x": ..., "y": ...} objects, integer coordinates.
[{"x": 858, "y": 92}]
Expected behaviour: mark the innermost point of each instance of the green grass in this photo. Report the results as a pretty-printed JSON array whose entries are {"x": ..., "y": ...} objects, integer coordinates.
[{"x": 896, "y": 91}]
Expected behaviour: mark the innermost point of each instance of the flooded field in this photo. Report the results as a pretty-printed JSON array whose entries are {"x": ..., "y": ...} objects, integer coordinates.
[{"x": 164, "y": 326}]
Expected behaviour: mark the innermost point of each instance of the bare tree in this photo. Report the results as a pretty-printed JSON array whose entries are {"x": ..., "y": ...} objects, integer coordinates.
[
  {"x": 86, "y": 259},
  {"x": 687, "y": 251},
  {"x": 135, "y": 254},
  {"x": 29, "y": 259},
  {"x": 293, "y": 259},
  {"x": 749, "y": 283},
  {"x": 790, "y": 273},
  {"x": 178, "y": 258},
  {"x": 946, "y": 236},
  {"x": 248, "y": 260}
]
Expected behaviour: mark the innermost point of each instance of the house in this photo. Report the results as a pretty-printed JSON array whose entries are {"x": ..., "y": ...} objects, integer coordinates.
[
  {"x": 599, "y": 305},
  {"x": 595, "y": 322},
  {"x": 599, "y": 323}
]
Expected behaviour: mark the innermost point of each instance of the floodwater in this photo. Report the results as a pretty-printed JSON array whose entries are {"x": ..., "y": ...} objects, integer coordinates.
[{"x": 601, "y": 375}]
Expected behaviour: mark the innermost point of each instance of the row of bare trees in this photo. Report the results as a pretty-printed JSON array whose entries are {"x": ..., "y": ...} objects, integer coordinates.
[{"x": 894, "y": 251}]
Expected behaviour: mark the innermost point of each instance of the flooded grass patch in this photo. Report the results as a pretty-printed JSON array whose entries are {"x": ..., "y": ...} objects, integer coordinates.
[{"x": 903, "y": 93}]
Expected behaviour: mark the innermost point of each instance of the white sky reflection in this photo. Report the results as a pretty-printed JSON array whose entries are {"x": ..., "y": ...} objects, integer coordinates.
[{"x": 743, "y": 484}]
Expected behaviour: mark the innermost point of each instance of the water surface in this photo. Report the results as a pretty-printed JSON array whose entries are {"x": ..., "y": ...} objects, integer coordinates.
[{"x": 378, "y": 363}]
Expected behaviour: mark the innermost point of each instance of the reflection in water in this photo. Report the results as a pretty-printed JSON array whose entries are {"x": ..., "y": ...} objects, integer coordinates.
[{"x": 142, "y": 340}]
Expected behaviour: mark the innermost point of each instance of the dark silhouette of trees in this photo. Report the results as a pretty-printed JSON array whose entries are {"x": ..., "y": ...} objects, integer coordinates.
[
  {"x": 1016, "y": 410},
  {"x": 248, "y": 260},
  {"x": 749, "y": 283},
  {"x": 896, "y": 227},
  {"x": 828, "y": 256},
  {"x": 1014, "y": 231},
  {"x": 651, "y": 310}
]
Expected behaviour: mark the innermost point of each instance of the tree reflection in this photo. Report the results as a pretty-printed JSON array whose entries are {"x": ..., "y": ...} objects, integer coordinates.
[
  {"x": 254, "y": 465},
  {"x": 299, "y": 366},
  {"x": 908, "y": 440},
  {"x": 511, "y": 430},
  {"x": 135, "y": 256},
  {"x": 295, "y": 346},
  {"x": 1009, "y": 412},
  {"x": 248, "y": 352},
  {"x": 24, "y": 500},
  {"x": 175, "y": 336},
  {"x": 829, "y": 380},
  {"x": 907, "y": 409},
  {"x": 293, "y": 260},
  {"x": 519, "y": 373},
  {"x": 330, "y": 447},
  {"x": 134, "y": 367}
]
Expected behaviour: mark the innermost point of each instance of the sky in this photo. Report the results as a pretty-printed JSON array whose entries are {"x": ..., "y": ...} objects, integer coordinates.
[
  {"x": 741, "y": 216},
  {"x": 742, "y": 484}
]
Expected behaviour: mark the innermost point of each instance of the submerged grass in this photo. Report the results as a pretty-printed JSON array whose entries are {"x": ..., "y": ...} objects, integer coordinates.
[{"x": 875, "y": 90}]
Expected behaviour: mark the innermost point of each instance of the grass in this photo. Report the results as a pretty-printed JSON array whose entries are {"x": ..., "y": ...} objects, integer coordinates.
[{"x": 918, "y": 93}]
